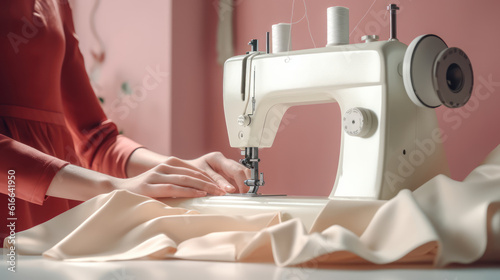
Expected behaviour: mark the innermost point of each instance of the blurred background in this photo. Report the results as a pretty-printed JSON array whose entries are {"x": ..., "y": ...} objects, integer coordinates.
[{"x": 154, "y": 66}]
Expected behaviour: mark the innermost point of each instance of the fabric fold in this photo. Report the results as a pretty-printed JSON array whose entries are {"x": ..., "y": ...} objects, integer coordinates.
[{"x": 442, "y": 222}]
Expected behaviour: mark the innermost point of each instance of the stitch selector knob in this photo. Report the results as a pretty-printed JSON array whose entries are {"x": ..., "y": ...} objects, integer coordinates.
[
  {"x": 357, "y": 122},
  {"x": 244, "y": 120}
]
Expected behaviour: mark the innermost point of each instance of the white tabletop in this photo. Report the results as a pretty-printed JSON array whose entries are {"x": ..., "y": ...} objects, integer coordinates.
[{"x": 31, "y": 267}]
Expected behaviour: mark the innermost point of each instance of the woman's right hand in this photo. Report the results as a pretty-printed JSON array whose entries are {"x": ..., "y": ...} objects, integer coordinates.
[{"x": 167, "y": 180}]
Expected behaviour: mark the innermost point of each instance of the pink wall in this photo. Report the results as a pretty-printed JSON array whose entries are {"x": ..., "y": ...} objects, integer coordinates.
[
  {"x": 136, "y": 36},
  {"x": 189, "y": 77},
  {"x": 157, "y": 36},
  {"x": 184, "y": 116}
]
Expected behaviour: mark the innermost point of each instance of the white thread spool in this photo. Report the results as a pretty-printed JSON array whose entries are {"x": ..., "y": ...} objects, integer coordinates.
[
  {"x": 337, "y": 26},
  {"x": 282, "y": 41}
]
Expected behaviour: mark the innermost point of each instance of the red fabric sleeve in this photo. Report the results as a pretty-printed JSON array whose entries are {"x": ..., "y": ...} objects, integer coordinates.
[
  {"x": 96, "y": 138},
  {"x": 33, "y": 169}
]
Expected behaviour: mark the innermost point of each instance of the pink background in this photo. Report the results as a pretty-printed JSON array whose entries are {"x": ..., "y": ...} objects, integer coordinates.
[{"x": 183, "y": 114}]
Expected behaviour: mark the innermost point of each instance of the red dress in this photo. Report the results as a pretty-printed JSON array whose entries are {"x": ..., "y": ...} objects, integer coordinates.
[{"x": 49, "y": 114}]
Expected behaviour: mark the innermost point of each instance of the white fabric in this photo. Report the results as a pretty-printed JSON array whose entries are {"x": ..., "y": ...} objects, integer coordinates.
[{"x": 444, "y": 221}]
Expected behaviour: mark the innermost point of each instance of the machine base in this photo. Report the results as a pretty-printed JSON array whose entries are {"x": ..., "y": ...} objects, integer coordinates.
[{"x": 304, "y": 208}]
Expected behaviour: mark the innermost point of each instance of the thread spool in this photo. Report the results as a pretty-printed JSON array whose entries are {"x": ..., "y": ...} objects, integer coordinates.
[
  {"x": 281, "y": 37},
  {"x": 337, "y": 26}
]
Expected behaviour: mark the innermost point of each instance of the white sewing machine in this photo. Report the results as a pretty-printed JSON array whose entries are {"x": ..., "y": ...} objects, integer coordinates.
[{"x": 386, "y": 92}]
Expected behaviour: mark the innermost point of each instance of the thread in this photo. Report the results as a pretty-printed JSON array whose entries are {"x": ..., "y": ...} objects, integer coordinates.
[
  {"x": 308, "y": 24},
  {"x": 281, "y": 37},
  {"x": 366, "y": 13},
  {"x": 337, "y": 26}
]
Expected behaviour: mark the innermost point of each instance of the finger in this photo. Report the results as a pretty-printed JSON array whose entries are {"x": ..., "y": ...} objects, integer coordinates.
[
  {"x": 221, "y": 181},
  {"x": 170, "y": 190},
  {"x": 233, "y": 183},
  {"x": 242, "y": 189},
  {"x": 239, "y": 189},
  {"x": 196, "y": 173},
  {"x": 173, "y": 161},
  {"x": 230, "y": 168},
  {"x": 189, "y": 182}
]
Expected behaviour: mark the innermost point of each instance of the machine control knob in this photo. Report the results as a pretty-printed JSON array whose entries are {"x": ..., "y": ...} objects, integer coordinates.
[
  {"x": 369, "y": 38},
  {"x": 244, "y": 120},
  {"x": 357, "y": 122},
  {"x": 254, "y": 45}
]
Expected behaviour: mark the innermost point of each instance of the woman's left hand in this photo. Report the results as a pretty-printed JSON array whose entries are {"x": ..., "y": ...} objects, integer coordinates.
[{"x": 227, "y": 174}]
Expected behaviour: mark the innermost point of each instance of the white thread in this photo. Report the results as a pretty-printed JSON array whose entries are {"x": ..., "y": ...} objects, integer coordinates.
[
  {"x": 308, "y": 25},
  {"x": 291, "y": 17},
  {"x": 281, "y": 37},
  {"x": 367, "y": 11},
  {"x": 292, "y": 23},
  {"x": 247, "y": 78},
  {"x": 337, "y": 26}
]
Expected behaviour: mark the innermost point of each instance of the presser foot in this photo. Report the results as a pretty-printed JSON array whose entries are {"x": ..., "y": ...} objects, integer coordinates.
[
  {"x": 253, "y": 194},
  {"x": 251, "y": 161},
  {"x": 255, "y": 184}
]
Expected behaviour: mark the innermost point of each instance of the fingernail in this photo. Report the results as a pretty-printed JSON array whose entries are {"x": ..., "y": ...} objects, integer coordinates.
[{"x": 230, "y": 188}]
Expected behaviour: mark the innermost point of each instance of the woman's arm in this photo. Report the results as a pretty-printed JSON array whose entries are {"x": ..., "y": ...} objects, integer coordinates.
[
  {"x": 96, "y": 139},
  {"x": 175, "y": 178},
  {"x": 154, "y": 175},
  {"x": 78, "y": 183}
]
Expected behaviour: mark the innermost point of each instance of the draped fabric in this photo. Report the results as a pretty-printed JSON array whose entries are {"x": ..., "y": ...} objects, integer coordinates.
[{"x": 443, "y": 222}]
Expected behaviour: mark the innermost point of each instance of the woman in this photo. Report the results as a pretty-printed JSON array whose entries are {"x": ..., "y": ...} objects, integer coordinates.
[{"x": 56, "y": 145}]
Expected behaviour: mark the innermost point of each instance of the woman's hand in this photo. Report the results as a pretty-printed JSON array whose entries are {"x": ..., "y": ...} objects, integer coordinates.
[
  {"x": 211, "y": 174},
  {"x": 174, "y": 178},
  {"x": 228, "y": 174}
]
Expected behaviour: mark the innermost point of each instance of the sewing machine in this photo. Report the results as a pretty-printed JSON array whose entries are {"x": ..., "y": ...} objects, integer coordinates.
[{"x": 386, "y": 92}]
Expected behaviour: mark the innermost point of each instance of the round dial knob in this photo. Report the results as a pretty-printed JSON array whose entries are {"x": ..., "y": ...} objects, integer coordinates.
[
  {"x": 357, "y": 122},
  {"x": 244, "y": 120}
]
